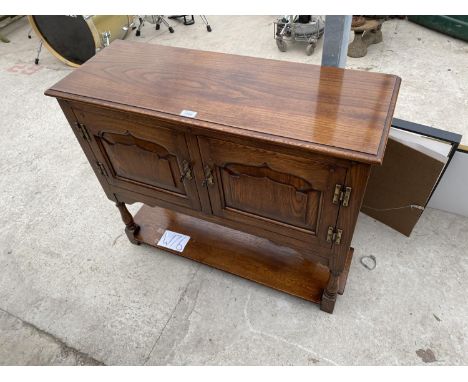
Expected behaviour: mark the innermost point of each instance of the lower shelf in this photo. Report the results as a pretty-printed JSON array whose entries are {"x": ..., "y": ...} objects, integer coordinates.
[{"x": 245, "y": 255}]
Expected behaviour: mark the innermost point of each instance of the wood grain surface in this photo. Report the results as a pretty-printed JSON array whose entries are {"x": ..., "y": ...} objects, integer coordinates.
[
  {"x": 345, "y": 113},
  {"x": 239, "y": 253},
  {"x": 270, "y": 144}
]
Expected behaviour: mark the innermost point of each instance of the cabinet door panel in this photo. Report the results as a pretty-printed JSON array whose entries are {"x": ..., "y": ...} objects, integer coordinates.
[
  {"x": 299, "y": 201},
  {"x": 142, "y": 156},
  {"x": 282, "y": 194},
  {"x": 142, "y": 161}
]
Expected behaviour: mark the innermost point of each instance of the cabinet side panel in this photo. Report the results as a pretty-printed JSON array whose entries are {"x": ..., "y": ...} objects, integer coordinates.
[
  {"x": 356, "y": 178},
  {"x": 72, "y": 120}
]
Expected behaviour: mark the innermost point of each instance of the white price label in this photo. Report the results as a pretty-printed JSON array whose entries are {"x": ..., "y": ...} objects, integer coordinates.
[
  {"x": 173, "y": 240},
  {"x": 188, "y": 113}
]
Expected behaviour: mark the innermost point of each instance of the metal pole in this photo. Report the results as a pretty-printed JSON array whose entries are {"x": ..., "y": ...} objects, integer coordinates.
[{"x": 336, "y": 39}]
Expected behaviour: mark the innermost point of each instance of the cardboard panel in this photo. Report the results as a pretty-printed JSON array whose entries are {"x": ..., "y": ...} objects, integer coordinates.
[{"x": 398, "y": 191}]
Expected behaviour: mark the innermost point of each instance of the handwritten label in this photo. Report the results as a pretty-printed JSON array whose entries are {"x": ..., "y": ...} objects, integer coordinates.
[
  {"x": 173, "y": 240},
  {"x": 188, "y": 113}
]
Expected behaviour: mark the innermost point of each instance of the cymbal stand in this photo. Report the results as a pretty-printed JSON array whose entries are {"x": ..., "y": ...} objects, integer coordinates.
[
  {"x": 205, "y": 20},
  {"x": 191, "y": 20},
  {"x": 153, "y": 19},
  {"x": 36, "y": 60}
]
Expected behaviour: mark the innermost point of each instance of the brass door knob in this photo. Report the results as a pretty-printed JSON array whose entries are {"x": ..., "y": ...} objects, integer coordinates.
[
  {"x": 209, "y": 180},
  {"x": 186, "y": 171}
]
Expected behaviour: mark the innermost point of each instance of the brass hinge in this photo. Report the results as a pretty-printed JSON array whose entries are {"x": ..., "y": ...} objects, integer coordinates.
[
  {"x": 84, "y": 131},
  {"x": 102, "y": 169},
  {"x": 341, "y": 194},
  {"x": 334, "y": 235}
]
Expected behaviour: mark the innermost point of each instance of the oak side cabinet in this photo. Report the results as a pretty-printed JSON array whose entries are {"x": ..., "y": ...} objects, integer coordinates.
[{"x": 263, "y": 163}]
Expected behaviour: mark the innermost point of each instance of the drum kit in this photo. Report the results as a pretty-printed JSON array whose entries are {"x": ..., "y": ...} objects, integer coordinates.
[{"x": 75, "y": 39}]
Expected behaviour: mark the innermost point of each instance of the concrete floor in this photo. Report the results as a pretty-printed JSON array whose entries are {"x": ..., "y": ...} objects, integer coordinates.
[{"x": 73, "y": 290}]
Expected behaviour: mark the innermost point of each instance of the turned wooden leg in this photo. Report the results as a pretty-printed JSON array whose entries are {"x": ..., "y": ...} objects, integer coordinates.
[
  {"x": 131, "y": 228},
  {"x": 329, "y": 294}
]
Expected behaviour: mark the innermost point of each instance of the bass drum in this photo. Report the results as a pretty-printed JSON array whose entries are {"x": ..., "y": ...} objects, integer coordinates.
[{"x": 75, "y": 39}]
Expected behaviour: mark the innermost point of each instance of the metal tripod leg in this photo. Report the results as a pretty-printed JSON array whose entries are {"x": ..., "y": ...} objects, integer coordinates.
[
  {"x": 205, "y": 20},
  {"x": 36, "y": 61},
  {"x": 161, "y": 19},
  {"x": 138, "y": 31}
]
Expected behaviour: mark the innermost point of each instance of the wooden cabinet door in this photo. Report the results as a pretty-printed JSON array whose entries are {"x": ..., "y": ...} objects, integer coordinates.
[
  {"x": 141, "y": 155},
  {"x": 282, "y": 195}
]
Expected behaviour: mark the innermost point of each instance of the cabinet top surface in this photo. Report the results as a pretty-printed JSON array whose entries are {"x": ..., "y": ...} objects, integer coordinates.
[{"x": 333, "y": 111}]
